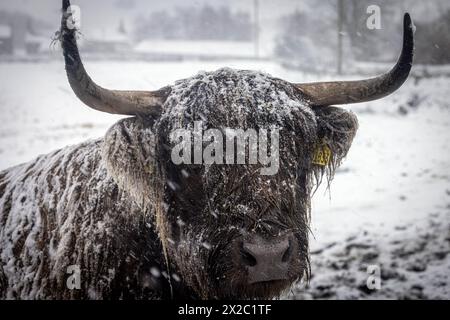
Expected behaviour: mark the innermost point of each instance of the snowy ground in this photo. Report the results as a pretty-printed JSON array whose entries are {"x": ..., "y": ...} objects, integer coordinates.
[{"x": 389, "y": 206}]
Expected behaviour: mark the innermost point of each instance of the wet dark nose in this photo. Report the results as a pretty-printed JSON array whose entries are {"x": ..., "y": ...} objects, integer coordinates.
[{"x": 267, "y": 259}]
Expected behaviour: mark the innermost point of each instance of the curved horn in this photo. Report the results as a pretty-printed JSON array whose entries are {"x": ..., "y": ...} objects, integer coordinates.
[
  {"x": 344, "y": 92},
  {"x": 96, "y": 97}
]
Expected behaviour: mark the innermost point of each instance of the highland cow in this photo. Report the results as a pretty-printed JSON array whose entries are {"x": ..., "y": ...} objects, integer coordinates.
[{"x": 138, "y": 226}]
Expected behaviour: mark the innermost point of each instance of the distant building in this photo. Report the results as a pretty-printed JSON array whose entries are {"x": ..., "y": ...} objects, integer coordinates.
[
  {"x": 107, "y": 41},
  {"x": 207, "y": 50},
  {"x": 5, "y": 39},
  {"x": 20, "y": 35},
  {"x": 36, "y": 44}
]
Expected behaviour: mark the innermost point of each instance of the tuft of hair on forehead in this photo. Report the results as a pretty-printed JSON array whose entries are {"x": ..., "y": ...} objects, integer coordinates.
[{"x": 232, "y": 98}]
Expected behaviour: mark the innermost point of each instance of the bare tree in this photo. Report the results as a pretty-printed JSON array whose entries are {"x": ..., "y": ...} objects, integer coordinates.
[
  {"x": 256, "y": 27},
  {"x": 340, "y": 24}
]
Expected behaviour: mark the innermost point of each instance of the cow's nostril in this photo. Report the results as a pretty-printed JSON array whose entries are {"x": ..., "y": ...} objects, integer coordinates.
[
  {"x": 247, "y": 258},
  {"x": 287, "y": 254}
]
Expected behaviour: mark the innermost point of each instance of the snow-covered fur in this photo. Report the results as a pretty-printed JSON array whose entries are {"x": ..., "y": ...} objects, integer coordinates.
[
  {"x": 64, "y": 209},
  {"x": 139, "y": 226}
]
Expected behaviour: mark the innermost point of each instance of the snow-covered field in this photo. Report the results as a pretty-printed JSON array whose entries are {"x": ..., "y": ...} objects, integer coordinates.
[{"x": 388, "y": 207}]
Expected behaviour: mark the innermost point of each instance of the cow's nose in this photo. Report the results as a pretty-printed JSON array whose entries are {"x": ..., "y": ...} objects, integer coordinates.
[{"x": 267, "y": 259}]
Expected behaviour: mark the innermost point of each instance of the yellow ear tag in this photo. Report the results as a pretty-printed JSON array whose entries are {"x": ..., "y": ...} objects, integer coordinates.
[{"x": 322, "y": 155}]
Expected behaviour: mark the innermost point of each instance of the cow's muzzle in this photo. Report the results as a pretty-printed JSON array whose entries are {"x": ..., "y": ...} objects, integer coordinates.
[{"x": 267, "y": 259}]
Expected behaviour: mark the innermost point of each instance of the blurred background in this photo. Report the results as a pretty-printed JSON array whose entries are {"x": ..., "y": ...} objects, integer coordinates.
[
  {"x": 293, "y": 32},
  {"x": 388, "y": 210}
]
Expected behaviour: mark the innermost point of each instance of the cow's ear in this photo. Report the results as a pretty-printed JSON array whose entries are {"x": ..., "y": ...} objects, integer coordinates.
[
  {"x": 336, "y": 129},
  {"x": 129, "y": 154}
]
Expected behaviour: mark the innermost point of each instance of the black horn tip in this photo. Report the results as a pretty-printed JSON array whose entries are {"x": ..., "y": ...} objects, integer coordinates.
[
  {"x": 407, "y": 22},
  {"x": 66, "y": 5},
  {"x": 408, "y": 27},
  {"x": 408, "y": 36}
]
